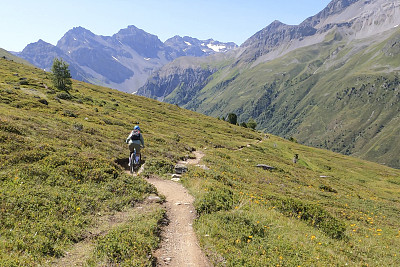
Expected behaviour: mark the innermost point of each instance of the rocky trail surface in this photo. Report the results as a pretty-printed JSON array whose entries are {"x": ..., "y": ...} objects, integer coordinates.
[{"x": 179, "y": 246}]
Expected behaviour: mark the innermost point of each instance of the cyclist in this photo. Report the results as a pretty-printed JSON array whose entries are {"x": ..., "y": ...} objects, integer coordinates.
[{"x": 135, "y": 141}]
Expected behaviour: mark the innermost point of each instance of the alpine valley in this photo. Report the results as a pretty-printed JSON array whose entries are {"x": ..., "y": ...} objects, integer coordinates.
[{"x": 331, "y": 82}]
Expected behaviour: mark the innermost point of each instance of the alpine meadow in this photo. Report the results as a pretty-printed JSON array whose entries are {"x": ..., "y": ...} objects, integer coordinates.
[
  {"x": 286, "y": 147},
  {"x": 60, "y": 178}
]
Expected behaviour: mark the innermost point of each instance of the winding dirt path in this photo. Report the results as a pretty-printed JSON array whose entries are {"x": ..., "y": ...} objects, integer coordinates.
[{"x": 179, "y": 246}]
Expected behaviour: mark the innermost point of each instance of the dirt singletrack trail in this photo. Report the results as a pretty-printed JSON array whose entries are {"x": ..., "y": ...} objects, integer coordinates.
[{"x": 179, "y": 246}]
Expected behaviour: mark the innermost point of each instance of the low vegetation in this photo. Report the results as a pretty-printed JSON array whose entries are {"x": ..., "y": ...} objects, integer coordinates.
[{"x": 59, "y": 174}]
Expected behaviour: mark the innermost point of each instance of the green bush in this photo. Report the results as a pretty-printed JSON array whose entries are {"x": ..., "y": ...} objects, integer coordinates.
[
  {"x": 131, "y": 244},
  {"x": 158, "y": 166},
  {"x": 64, "y": 96},
  {"x": 217, "y": 198},
  {"x": 314, "y": 215}
]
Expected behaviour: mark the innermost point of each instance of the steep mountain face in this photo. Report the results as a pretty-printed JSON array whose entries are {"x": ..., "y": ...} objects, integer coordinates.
[
  {"x": 123, "y": 61},
  {"x": 331, "y": 82},
  {"x": 184, "y": 83},
  {"x": 41, "y": 54}
]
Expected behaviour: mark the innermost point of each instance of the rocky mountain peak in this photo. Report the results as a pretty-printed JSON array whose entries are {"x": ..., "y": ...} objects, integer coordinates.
[
  {"x": 146, "y": 44},
  {"x": 334, "y": 7},
  {"x": 189, "y": 46},
  {"x": 77, "y": 36},
  {"x": 38, "y": 46},
  {"x": 352, "y": 18}
]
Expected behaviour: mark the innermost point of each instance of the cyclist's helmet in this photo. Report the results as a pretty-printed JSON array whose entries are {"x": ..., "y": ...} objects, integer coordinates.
[{"x": 136, "y": 128}]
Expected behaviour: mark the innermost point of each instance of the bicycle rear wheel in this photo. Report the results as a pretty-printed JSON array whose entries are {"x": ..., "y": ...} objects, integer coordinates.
[{"x": 132, "y": 161}]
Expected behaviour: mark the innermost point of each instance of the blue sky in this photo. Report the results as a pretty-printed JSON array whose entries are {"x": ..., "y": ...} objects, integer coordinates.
[{"x": 26, "y": 21}]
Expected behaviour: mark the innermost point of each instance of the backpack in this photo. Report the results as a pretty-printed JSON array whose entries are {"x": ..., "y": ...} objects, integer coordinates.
[{"x": 135, "y": 135}]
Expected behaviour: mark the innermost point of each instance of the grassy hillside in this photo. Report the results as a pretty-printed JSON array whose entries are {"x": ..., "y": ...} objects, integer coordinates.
[
  {"x": 9, "y": 56},
  {"x": 58, "y": 174},
  {"x": 340, "y": 94}
]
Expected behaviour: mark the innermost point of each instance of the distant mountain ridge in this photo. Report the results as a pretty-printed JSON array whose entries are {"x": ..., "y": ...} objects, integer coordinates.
[
  {"x": 315, "y": 81},
  {"x": 123, "y": 61}
]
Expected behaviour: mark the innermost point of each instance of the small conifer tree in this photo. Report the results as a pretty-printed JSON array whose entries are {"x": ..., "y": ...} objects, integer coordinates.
[
  {"x": 61, "y": 76},
  {"x": 232, "y": 118}
]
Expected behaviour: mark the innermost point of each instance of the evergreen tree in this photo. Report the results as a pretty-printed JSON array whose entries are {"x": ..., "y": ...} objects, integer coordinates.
[
  {"x": 232, "y": 118},
  {"x": 61, "y": 76}
]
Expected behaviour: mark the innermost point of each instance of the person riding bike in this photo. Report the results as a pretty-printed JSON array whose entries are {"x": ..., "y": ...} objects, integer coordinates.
[{"x": 135, "y": 141}]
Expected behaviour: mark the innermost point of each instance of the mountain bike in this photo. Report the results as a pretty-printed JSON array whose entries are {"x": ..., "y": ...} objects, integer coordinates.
[{"x": 135, "y": 162}]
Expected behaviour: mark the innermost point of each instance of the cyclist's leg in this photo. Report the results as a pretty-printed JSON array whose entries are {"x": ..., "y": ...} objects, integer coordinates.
[{"x": 137, "y": 148}]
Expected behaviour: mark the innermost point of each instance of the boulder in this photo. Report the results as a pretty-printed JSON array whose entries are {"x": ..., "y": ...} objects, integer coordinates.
[
  {"x": 180, "y": 168},
  {"x": 265, "y": 167}
]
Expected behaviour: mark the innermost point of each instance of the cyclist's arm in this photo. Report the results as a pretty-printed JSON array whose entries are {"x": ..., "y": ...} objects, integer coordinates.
[
  {"x": 129, "y": 137},
  {"x": 142, "y": 140}
]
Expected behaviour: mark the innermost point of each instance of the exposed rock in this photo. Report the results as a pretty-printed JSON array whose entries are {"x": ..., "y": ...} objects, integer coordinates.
[
  {"x": 180, "y": 168},
  {"x": 153, "y": 198},
  {"x": 187, "y": 80},
  {"x": 265, "y": 167},
  {"x": 204, "y": 167}
]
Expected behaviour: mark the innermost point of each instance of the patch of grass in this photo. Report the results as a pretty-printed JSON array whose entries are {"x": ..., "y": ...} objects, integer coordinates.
[{"x": 131, "y": 244}]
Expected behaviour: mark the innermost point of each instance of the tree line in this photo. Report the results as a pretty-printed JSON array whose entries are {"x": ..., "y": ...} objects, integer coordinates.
[{"x": 233, "y": 119}]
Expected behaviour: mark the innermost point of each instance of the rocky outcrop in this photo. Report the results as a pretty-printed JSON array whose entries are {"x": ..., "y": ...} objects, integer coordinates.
[
  {"x": 184, "y": 82},
  {"x": 272, "y": 36}
]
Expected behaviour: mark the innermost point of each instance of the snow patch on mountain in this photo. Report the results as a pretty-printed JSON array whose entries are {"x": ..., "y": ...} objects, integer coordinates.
[{"x": 216, "y": 48}]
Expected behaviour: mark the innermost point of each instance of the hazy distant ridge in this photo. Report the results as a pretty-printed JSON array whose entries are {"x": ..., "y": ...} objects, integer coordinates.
[{"x": 123, "y": 61}]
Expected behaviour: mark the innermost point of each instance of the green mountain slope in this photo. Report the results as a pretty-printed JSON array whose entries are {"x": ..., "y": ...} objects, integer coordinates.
[
  {"x": 5, "y": 54},
  {"x": 59, "y": 174},
  {"x": 338, "y": 94}
]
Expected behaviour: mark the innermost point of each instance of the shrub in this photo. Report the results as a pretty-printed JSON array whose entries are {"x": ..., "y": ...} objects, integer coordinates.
[
  {"x": 251, "y": 124},
  {"x": 158, "y": 166},
  {"x": 327, "y": 188},
  {"x": 68, "y": 113},
  {"x": 64, "y": 96},
  {"x": 216, "y": 199},
  {"x": 43, "y": 101},
  {"x": 314, "y": 215},
  {"x": 7, "y": 127},
  {"x": 131, "y": 244}
]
